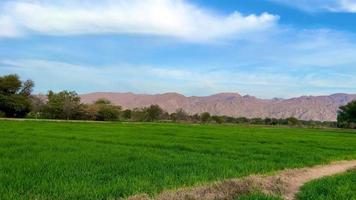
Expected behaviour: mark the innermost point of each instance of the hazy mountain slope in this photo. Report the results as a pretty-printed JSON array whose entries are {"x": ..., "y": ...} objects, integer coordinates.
[{"x": 322, "y": 108}]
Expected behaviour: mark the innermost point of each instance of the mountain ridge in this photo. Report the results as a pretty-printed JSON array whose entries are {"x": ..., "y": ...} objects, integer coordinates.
[{"x": 321, "y": 108}]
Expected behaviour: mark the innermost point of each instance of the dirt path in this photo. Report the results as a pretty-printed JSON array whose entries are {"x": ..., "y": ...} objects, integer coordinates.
[
  {"x": 294, "y": 179},
  {"x": 284, "y": 183}
]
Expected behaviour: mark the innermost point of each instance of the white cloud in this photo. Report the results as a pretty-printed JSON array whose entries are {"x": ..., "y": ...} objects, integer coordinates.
[
  {"x": 348, "y": 5},
  {"x": 321, "y": 5},
  {"x": 176, "y": 18},
  {"x": 8, "y": 27}
]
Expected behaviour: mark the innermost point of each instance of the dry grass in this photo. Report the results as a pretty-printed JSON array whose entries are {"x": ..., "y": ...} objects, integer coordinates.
[{"x": 284, "y": 183}]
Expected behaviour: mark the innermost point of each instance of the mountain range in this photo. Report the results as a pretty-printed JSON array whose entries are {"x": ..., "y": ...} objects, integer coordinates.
[{"x": 321, "y": 108}]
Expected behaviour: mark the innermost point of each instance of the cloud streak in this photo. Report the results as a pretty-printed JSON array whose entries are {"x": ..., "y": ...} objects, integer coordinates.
[
  {"x": 173, "y": 18},
  {"x": 348, "y": 6},
  {"x": 158, "y": 79}
]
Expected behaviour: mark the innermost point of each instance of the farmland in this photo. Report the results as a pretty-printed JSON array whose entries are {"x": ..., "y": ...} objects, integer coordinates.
[
  {"x": 336, "y": 187},
  {"x": 72, "y": 160}
]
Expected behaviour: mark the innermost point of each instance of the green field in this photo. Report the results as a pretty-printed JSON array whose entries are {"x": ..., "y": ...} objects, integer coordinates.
[
  {"x": 58, "y": 160},
  {"x": 341, "y": 187}
]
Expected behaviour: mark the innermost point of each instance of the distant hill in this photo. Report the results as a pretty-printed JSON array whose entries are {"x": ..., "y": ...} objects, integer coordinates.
[{"x": 322, "y": 108}]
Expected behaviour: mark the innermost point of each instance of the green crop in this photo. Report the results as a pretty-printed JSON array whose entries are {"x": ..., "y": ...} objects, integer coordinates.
[{"x": 63, "y": 160}]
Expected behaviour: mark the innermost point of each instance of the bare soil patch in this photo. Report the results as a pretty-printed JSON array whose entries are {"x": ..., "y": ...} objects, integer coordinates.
[{"x": 284, "y": 183}]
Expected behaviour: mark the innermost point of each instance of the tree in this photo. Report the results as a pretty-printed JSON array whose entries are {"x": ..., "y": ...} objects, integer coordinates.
[
  {"x": 106, "y": 111},
  {"x": 205, "y": 117},
  {"x": 27, "y": 87},
  {"x": 126, "y": 114},
  {"x": 63, "y": 105},
  {"x": 138, "y": 114},
  {"x": 257, "y": 121},
  {"x": 37, "y": 107},
  {"x": 180, "y": 115},
  {"x": 102, "y": 101},
  {"x": 347, "y": 116},
  {"x": 230, "y": 120},
  {"x": 195, "y": 118},
  {"x": 15, "y": 96},
  {"x": 268, "y": 121},
  {"x": 218, "y": 119},
  {"x": 242, "y": 120},
  {"x": 292, "y": 121},
  {"x": 153, "y": 113}
]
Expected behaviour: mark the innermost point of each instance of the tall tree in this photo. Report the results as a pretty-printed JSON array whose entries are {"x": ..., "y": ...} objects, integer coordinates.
[
  {"x": 347, "y": 115},
  {"x": 62, "y": 105},
  {"x": 15, "y": 96},
  {"x": 153, "y": 113}
]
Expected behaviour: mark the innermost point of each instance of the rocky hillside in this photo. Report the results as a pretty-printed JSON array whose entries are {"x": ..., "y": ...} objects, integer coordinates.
[{"x": 323, "y": 108}]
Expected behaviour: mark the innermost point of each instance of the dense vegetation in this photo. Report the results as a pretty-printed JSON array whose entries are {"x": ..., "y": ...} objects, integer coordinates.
[
  {"x": 15, "y": 96},
  {"x": 347, "y": 116},
  {"x": 16, "y": 101},
  {"x": 331, "y": 188},
  {"x": 79, "y": 160}
]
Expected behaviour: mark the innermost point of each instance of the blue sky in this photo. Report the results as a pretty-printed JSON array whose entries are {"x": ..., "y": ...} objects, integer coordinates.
[{"x": 265, "y": 48}]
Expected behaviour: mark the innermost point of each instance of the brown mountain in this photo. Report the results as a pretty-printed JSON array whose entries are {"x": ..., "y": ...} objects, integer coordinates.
[{"x": 323, "y": 108}]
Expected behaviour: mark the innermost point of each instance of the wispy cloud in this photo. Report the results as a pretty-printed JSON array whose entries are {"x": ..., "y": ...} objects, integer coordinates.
[
  {"x": 8, "y": 27},
  {"x": 152, "y": 79},
  {"x": 315, "y": 48},
  {"x": 284, "y": 61},
  {"x": 175, "y": 18},
  {"x": 321, "y": 5}
]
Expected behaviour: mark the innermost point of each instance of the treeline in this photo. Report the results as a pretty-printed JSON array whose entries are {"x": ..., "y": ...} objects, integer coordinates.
[
  {"x": 16, "y": 101},
  {"x": 66, "y": 105}
]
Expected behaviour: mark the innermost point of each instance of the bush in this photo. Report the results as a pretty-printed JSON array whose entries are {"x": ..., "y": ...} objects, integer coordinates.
[
  {"x": 33, "y": 115},
  {"x": 107, "y": 113},
  {"x": 103, "y": 110}
]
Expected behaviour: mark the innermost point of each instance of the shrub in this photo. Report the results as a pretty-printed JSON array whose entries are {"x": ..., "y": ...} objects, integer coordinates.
[
  {"x": 33, "y": 115},
  {"x": 103, "y": 110},
  {"x": 107, "y": 113}
]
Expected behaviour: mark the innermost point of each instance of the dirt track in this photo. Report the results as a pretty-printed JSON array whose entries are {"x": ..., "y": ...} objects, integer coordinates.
[
  {"x": 284, "y": 183},
  {"x": 294, "y": 179}
]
